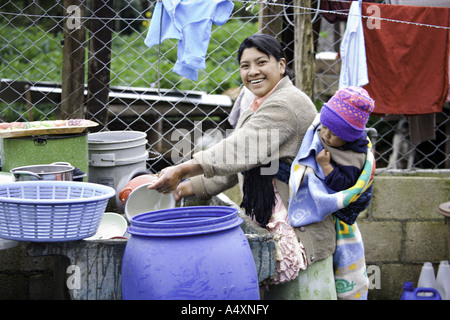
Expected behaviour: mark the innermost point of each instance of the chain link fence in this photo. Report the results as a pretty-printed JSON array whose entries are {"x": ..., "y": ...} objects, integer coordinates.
[{"x": 119, "y": 82}]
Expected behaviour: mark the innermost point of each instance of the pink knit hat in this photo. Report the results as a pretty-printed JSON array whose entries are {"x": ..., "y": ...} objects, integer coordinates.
[{"x": 347, "y": 112}]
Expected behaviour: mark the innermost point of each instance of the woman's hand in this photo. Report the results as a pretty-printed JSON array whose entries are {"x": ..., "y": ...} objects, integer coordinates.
[
  {"x": 169, "y": 178},
  {"x": 183, "y": 190}
]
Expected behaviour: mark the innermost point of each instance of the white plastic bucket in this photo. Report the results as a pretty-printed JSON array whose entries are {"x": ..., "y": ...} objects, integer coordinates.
[{"x": 115, "y": 157}]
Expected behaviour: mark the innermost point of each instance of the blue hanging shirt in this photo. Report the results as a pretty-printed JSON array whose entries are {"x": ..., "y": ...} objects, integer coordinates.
[{"x": 189, "y": 21}]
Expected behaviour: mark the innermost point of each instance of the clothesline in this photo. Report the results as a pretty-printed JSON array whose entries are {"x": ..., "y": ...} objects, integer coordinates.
[
  {"x": 339, "y": 12},
  {"x": 308, "y": 10}
]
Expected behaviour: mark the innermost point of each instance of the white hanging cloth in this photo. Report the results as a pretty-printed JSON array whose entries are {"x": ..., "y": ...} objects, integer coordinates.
[{"x": 353, "y": 50}]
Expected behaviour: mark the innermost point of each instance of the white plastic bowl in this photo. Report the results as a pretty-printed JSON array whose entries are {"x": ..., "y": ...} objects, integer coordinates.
[
  {"x": 112, "y": 225},
  {"x": 7, "y": 244},
  {"x": 143, "y": 200}
]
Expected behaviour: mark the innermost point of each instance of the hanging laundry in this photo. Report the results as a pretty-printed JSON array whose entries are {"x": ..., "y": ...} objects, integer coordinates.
[
  {"x": 353, "y": 51},
  {"x": 341, "y": 7},
  {"x": 407, "y": 63},
  {"x": 189, "y": 21}
]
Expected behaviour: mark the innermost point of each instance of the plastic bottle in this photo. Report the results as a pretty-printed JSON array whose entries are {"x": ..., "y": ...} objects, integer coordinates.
[
  {"x": 408, "y": 290},
  {"x": 409, "y": 293},
  {"x": 443, "y": 280},
  {"x": 427, "y": 279}
]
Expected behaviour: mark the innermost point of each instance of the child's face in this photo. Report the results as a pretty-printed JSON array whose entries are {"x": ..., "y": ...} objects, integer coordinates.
[{"x": 330, "y": 138}]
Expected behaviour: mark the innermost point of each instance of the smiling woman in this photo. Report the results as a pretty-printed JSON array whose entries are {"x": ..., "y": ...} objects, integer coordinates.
[
  {"x": 260, "y": 73},
  {"x": 278, "y": 117}
]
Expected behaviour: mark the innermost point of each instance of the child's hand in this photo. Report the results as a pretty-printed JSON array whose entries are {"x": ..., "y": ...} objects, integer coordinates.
[{"x": 323, "y": 158}]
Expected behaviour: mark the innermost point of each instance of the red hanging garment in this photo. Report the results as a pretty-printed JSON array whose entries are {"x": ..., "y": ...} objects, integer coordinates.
[{"x": 407, "y": 63}]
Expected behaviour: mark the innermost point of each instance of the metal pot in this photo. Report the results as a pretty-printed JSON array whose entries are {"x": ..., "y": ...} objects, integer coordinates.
[
  {"x": 45, "y": 149},
  {"x": 60, "y": 171}
]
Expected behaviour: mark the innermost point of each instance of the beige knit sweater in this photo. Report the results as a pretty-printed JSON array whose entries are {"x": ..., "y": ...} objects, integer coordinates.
[{"x": 275, "y": 131}]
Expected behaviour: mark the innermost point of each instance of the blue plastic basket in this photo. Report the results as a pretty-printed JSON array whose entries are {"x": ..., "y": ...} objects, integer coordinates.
[{"x": 50, "y": 211}]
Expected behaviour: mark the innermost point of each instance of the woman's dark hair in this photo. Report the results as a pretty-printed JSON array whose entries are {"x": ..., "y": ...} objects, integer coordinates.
[{"x": 266, "y": 44}]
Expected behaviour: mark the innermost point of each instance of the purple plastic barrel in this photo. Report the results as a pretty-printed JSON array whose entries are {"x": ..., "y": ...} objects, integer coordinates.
[{"x": 188, "y": 253}]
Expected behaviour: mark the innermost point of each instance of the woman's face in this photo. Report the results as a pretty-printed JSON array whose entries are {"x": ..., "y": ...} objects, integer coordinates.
[{"x": 259, "y": 72}]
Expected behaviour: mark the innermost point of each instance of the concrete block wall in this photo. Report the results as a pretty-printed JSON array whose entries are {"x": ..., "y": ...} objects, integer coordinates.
[
  {"x": 402, "y": 228},
  {"x": 25, "y": 278}
]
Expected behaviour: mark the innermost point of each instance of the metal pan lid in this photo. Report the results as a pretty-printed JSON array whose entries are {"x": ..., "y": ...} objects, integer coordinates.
[{"x": 444, "y": 209}]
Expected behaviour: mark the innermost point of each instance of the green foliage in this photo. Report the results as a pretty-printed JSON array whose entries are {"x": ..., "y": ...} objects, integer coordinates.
[
  {"x": 134, "y": 64},
  {"x": 30, "y": 54},
  {"x": 33, "y": 54}
]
